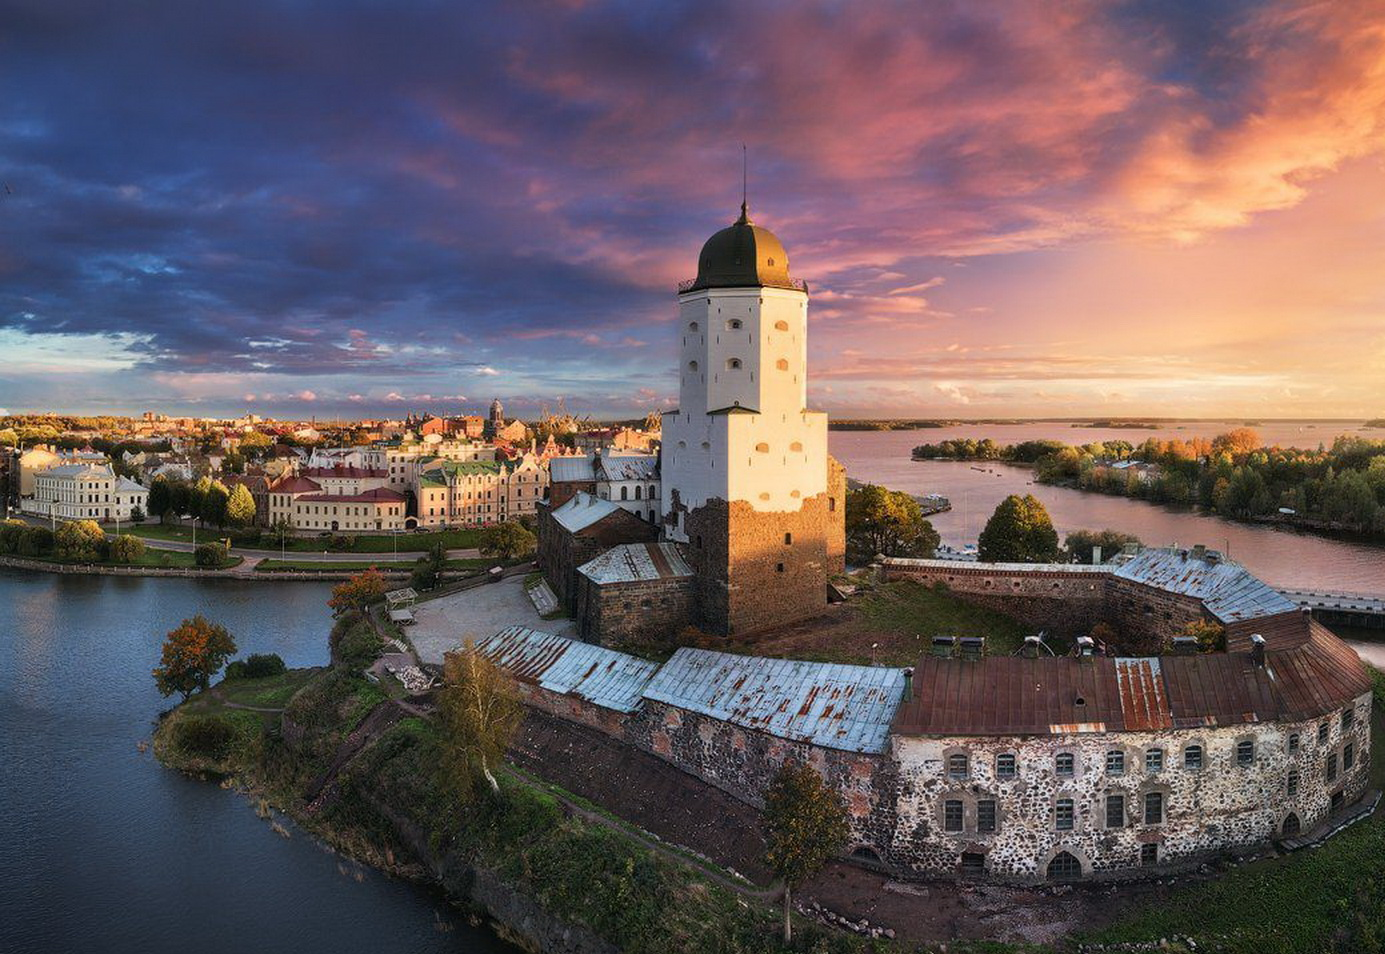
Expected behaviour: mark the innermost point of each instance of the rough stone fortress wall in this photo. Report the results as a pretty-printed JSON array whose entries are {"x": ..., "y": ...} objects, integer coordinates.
[{"x": 1014, "y": 768}]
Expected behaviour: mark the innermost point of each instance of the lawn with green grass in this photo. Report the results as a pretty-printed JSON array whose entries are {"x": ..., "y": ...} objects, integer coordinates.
[
  {"x": 411, "y": 542},
  {"x": 170, "y": 559},
  {"x": 354, "y": 566},
  {"x": 1324, "y": 900}
]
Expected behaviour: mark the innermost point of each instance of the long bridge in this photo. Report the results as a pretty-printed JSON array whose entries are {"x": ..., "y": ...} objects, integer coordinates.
[{"x": 1348, "y": 609}]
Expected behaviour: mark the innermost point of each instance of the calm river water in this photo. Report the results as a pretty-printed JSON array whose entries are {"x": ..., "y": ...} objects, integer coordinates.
[
  {"x": 1282, "y": 557},
  {"x": 104, "y": 850}
]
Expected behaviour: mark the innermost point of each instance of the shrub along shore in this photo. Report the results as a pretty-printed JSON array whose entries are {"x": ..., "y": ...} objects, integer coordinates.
[{"x": 360, "y": 765}]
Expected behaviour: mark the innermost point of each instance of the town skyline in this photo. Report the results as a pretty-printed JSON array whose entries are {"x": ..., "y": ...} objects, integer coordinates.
[{"x": 1138, "y": 211}]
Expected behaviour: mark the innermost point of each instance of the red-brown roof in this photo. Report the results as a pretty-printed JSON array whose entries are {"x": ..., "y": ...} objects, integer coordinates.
[
  {"x": 377, "y": 496},
  {"x": 1010, "y": 695},
  {"x": 292, "y": 484}
]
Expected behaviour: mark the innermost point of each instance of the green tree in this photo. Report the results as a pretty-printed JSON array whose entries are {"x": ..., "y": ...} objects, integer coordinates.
[
  {"x": 885, "y": 521},
  {"x": 192, "y": 654},
  {"x": 805, "y": 825},
  {"x": 82, "y": 540},
  {"x": 240, "y": 507},
  {"x": 214, "y": 503},
  {"x": 1019, "y": 531},
  {"x": 136, "y": 514},
  {"x": 507, "y": 540},
  {"x": 480, "y": 712},
  {"x": 1081, "y": 544},
  {"x": 127, "y": 549}
]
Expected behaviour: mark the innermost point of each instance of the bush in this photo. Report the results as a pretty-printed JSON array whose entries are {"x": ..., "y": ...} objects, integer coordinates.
[
  {"x": 355, "y": 644},
  {"x": 342, "y": 542},
  {"x": 207, "y": 736},
  {"x": 210, "y": 555},
  {"x": 11, "y": 532},
  {"x": 246, "y": 538},
  {"x": 82, "y": 540},
  {"x": 127, "y": 549},
  {"x": 263, "y": 665}
]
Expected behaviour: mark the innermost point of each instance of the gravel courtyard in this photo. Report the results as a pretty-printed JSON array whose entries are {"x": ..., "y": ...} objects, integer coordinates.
[{"x": 445, "y": 623}]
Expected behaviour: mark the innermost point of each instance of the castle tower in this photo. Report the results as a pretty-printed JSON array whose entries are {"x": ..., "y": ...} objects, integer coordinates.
[
  {"x": 497, "y": 414},
  {"x": 749, "y": 485}
]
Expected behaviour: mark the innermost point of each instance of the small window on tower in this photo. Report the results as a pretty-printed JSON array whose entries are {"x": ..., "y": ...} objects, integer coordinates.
[
  {"x": 692, "y": 326},
  {"x": 734, "y": 324},
  {"x": 781, "y": 326},
  {"x": 692, "y": 366},
  {"x": 796, "y": 447},
  {"x": 733, "y": 364},
  {"x": 762, "y": 447},
  {"x": 788, "y": 539},
  {"x": 782, "y": 364}
]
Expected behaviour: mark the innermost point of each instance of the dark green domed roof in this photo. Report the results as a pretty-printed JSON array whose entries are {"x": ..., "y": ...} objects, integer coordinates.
[{"x": 742, "y": 255}]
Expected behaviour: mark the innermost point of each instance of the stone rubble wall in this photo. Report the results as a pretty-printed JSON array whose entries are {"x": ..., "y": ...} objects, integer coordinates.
[
  {"x": 1063, "y": 602},
  {"x": 638, "y": 611},
  {"x": 1223, "y": 806}
]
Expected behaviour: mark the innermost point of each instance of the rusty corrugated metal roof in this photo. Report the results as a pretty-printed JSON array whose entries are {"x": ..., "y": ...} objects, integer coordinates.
[
  {"x": 1227, "y": 590},
  {"x": 1008, "y": 695},
  {"x": 835, "y": 706},
  {"x": 601, "y": 676},
  {"x": 630, "y": 562}
]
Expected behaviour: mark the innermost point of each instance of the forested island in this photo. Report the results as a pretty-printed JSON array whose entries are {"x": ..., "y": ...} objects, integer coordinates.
[{"x": 1337, "y": 489}]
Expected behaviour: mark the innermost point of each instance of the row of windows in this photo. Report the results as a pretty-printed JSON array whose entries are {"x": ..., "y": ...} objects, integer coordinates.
[
  {"x": 625, "y": 492},
  {"x": 734, "y": 324},
  {"x": 1064, "y": 763},
  {"x": 1152, "y": 809}
]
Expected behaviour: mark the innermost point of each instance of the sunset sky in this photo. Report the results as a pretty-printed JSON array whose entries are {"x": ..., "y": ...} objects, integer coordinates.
[{"x": 1002, "y": 208}]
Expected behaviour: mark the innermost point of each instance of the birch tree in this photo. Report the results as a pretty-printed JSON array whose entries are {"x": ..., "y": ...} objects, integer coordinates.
[{"x": 480, "y": 711}]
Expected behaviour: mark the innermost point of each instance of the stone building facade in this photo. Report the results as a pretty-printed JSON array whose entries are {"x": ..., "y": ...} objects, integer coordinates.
[
  {"x": 1032, "y": 769},
  {"x": 634, "y": 593},
  {"x": 578, "y": 532}
]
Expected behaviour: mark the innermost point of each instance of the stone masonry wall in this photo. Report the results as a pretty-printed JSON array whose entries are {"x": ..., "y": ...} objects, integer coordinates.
[
  {"x": 1064, "y": 602},
  {"x": 1147, "y": 618},
  {"x": 743, "y": 762},
  {"x": 640, "y": 611},
  {"x": 561, "y": 552},
  {"x": 1223, "y": 806}
]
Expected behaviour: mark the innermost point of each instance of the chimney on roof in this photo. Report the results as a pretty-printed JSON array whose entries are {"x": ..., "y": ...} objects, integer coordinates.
[
  {"x": 1096, "y": 555},
  {"x": 1086, "y": 646},
  {"x": 1030, "y": 649},
  {"x": 1199, "y": 551},
  {"x": 908, "y": 681},
  {"x": 1257, "y": 651}
]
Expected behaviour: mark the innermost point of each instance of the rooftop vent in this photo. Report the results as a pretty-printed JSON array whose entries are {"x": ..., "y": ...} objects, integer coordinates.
[
  {"x": 973, "y": 647},
  {"x": 1199, "y": 551},
  {"x": 1034, "y": 647},
  {"x": 943, "y": 646},
  {"x": 1185, "y": 645},
  {"x": 1086, "y": 646},
  {"x": 1257, "y": 651},
  {"x": 1213, "y": 556}
]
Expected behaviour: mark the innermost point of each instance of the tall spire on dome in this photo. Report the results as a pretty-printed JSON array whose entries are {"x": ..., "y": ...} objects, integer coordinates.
[{"x": 745, "y": 189}]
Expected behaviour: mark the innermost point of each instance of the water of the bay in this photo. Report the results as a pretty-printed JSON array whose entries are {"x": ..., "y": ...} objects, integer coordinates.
[
  {"x": 104, "y": 850},
  {"x": 1285, "y": 558}
]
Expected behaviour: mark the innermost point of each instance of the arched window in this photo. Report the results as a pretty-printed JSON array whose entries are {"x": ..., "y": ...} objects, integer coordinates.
[
  {"x": 733, "y": 364},
  {"x": 1292, "y": 826},
  {"x": 692, "y": 366},
  {"x": 796, "y": 447},
  {"x": 781, "y": 326},
  {"x": 1064, "y": 867},
  {"x": 692, "y": 326},
  {"x": 782, "y": 364},
  {"x": 762, "y": 448},
  {"x": 625, "y": 493},
  {"x": 1245, "y": 752},
  {"x": 638, "y": 489},
  {"x": 1154, "y": 808}
]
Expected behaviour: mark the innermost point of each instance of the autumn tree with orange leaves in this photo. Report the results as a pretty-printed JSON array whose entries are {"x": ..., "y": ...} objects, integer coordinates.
[
  {"x": 192, "y": 654},
  {"x": 357, "y": 593}
]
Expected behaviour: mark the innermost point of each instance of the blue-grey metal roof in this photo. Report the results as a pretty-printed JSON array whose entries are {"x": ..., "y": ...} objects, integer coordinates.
[
  {"x": 1226, "y": 589},
  {"x": 601, "y": 676},
  {"x": 566, "y": 469},
  {"x": 632, "y": 562},
  {"x": 582, "y": 511},
  {"x": 835, "y": 706}
]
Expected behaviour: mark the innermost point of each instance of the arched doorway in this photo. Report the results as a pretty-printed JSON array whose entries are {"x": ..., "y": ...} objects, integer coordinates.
[
  {"x": 1064, "y": 867},
  {"x": 1292, "y": 826}
]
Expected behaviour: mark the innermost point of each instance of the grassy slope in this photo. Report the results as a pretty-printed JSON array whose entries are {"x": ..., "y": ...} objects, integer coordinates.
[{"x": 270, "y": 566}]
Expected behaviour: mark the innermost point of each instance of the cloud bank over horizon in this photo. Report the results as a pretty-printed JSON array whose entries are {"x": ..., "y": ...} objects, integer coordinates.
[{"x": 1002, "y": 209}]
